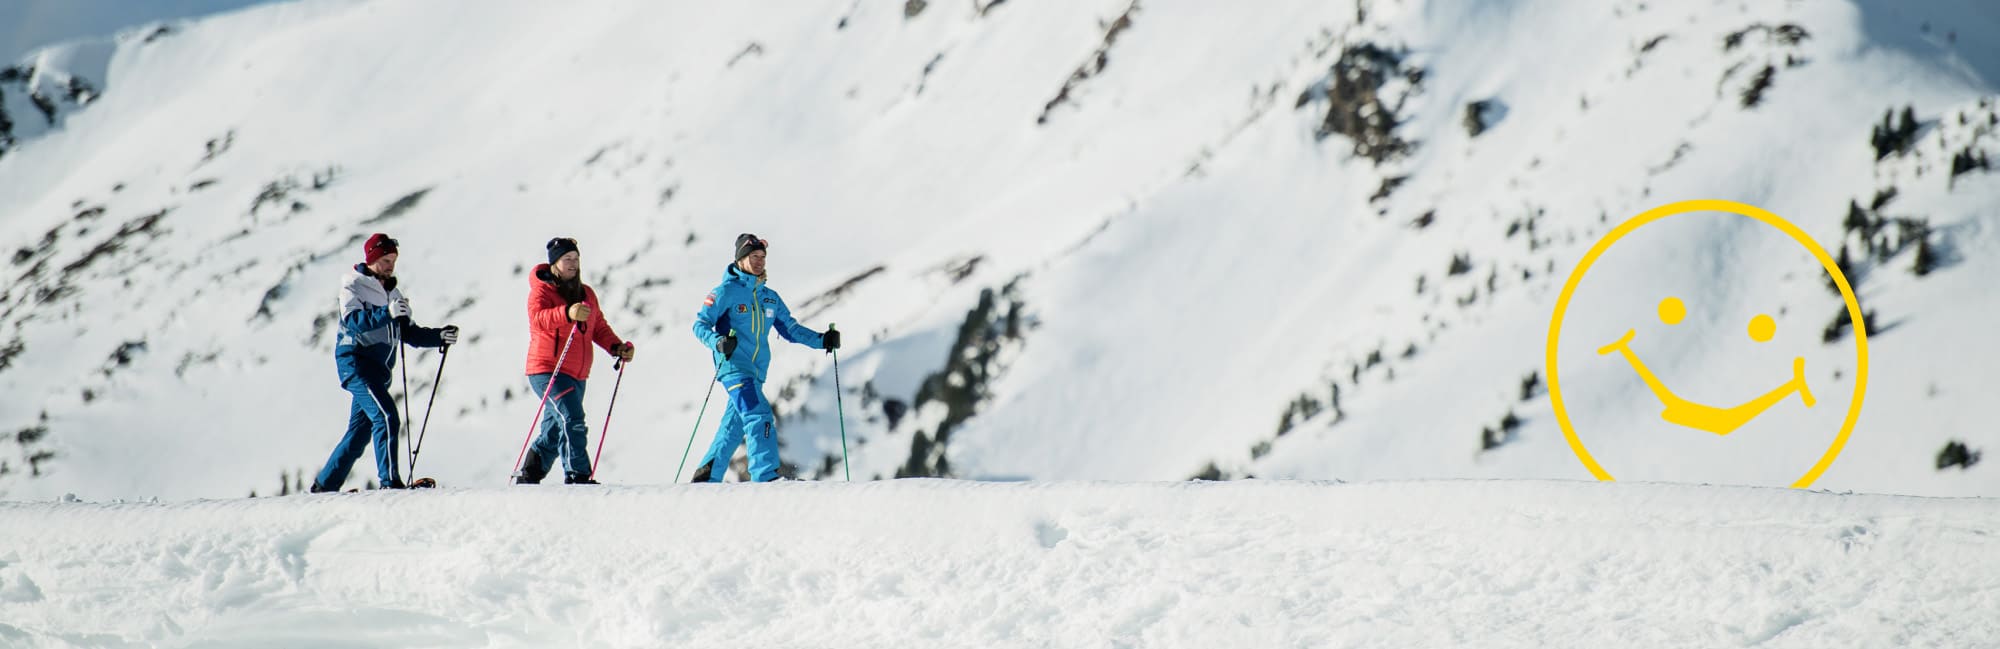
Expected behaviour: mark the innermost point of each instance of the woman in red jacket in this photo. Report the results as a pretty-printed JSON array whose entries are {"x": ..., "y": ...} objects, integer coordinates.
[{"x": 562, "y": 309}]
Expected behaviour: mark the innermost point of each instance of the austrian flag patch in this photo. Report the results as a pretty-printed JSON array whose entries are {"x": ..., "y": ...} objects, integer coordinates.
[{"x": 710, "y": 301}]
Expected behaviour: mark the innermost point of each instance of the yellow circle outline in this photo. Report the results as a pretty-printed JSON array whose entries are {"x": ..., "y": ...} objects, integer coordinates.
[{"x": 1739, "y": 209}]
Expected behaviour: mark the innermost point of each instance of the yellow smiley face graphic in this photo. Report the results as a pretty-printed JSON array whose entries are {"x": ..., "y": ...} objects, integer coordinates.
[{"x": 1689, "y": 414}]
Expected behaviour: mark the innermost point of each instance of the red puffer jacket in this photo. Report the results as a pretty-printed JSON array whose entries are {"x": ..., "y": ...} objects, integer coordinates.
[{"x": 549, "y": 325}]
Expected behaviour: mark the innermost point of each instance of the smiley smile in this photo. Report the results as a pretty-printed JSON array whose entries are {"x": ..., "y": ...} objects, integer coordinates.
[{"x": 1721, "y": 421}]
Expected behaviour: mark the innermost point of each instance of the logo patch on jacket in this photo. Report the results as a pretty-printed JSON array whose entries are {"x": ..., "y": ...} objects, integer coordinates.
[
  {"x": 742, "y": 308},
  {"x": 709, "y": 301}
]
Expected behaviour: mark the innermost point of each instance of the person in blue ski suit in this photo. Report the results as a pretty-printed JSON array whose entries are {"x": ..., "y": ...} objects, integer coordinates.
[
  {"x": 735, "y": 323},
  {"x": 373, "y": 316}
]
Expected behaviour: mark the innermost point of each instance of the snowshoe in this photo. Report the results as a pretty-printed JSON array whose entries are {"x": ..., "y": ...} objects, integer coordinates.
[{"x": 424, "y": 483}]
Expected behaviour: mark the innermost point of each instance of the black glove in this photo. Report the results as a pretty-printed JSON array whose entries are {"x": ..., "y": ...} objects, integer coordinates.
[
  {"x": 449, "y": 334},
  {"x": 728, "y": 345},
  {"x": 831, "y": 340}
]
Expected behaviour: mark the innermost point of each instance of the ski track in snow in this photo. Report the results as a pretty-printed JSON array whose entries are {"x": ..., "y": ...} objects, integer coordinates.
[{"x": 960, "y": 564}]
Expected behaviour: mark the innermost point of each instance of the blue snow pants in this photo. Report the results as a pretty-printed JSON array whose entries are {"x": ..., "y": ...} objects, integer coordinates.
[
  {"x": 749, "y": 416},
  {"x": 562, "y": 427},
  {"x": 371, "y": 417}
]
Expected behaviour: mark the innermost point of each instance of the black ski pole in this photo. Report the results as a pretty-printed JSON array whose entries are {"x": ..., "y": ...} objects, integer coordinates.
[
  {"x": 443, "y": 354},
  {"x": 402, "y": 358}
]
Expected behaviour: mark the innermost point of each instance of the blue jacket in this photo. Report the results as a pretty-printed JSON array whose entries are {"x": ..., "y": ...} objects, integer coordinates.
[
  {"x": 366, "y": 346},
  {"x": 743, "y": 304}
]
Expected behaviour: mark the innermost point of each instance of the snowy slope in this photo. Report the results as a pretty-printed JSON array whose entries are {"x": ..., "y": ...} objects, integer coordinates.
[
  {"x": 958, "y": 564},
  {"x": 1191, "y": 222},
  {"x": 56, "y": 53}
]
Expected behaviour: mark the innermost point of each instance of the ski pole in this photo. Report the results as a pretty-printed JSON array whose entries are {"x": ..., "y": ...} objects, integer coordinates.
[
  {"x": 697, "y": 419},
  {"x": 697, "y": 429},
  {"x": 443, "y": 354},
  {"x": 518, "y": 470},
  {"x": 402, "y": 358},
  {"x": 605, "y": 430},
  {"x": 838, "y": 408}
]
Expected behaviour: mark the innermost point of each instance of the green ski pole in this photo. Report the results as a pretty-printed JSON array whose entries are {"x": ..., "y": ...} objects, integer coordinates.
[
  {"x": 682, "y": 467},
  {"x": 838, "y": 408}
]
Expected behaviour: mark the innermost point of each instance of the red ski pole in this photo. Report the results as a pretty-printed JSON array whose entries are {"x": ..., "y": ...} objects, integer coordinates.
[
  {"x": 605, "y": 430},
  {"x": 518, "y": 469}
]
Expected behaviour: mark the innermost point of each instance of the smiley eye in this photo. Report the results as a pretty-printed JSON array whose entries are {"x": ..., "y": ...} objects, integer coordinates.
[
  {"x": 1672, "y": 310},
  {"x": 1762, "y": 327}
]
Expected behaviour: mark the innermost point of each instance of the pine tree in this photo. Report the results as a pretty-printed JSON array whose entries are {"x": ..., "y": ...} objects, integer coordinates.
[
  {"x": 1926, "y": 259},
  {"x": 1889, "y": 124},
  {"x": 1857, "y": 220}
]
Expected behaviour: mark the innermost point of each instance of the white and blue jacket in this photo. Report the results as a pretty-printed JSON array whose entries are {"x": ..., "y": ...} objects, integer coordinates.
[{"x": 366, "y": 346}]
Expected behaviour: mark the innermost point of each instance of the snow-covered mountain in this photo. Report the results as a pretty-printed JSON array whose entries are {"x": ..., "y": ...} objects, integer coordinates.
[{"x": 1106, "y": 239}]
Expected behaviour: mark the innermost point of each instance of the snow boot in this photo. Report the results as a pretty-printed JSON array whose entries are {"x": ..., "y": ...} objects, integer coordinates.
[
  {"x": 531, "y": 471},
  {"x": 577, "y": 478},
  {"x": 701, "y": 474}
]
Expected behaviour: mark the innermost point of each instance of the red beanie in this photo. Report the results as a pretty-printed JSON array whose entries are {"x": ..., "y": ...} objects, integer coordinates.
[{"x": 377, "y": 246}]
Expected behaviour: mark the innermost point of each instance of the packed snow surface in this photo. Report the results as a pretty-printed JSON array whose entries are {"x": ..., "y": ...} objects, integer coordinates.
[{"x": 940, "y": 563}]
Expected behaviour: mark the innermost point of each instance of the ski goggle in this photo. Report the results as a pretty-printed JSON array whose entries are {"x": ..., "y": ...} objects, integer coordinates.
[
  {"x": 566, "y": 241},
  {"x": 387, "y": 244}
]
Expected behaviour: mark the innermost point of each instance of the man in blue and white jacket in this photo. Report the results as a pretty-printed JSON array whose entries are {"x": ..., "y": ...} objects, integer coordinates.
[
  {"x": 373, "y": 317},
  {"x": 735, "y": 323}
]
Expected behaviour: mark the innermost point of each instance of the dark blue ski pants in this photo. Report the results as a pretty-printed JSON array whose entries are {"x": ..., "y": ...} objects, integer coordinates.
[{"x": 371, "y": 417}]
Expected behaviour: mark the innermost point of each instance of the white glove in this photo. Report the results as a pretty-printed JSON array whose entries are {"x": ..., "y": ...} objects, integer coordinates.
[
  {"x": 399, "y": 308},
  {"x": 449, "y": 334}
]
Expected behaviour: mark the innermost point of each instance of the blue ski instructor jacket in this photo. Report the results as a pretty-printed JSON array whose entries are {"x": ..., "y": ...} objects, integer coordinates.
[{"x": 743, "y": 304}]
